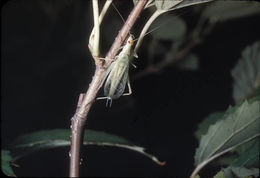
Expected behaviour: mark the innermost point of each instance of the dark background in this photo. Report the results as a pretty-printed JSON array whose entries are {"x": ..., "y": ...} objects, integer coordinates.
[{"x": 46, "y": 65}]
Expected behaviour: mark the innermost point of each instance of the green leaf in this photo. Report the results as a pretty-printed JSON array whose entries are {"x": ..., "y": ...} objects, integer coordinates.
[
  {"x": 237, "y": 128},
  {"x": 257, "y": 92},
  {"x": 204, "y": 125},
  {"x": 220, "y": 174},
  {"x": 166, "y": 4},
  {"x": 234, "y": 172},
  {"x": 228, "y": 10},
  {"x": 226, "y": 160},
  {"x": 249, "y": 154},
  {"x": 246, "y": 74},
  {"x": 245, "y": 172},
  {"x": 175, "y": 29},
  {"x": 247, "y": 163},
  {"x": 5, "y": 163},
  {"x": 44, "y": 139},
  {"x": 189, "y": 3}
]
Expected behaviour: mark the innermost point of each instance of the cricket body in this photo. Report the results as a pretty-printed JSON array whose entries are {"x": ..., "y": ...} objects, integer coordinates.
[{"x": 118, "y": 73}]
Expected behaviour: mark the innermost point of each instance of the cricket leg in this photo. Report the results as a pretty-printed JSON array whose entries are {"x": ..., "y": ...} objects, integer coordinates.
[
  {"x": 129, "y": 89},
  {"x": 109, "y": 100}
]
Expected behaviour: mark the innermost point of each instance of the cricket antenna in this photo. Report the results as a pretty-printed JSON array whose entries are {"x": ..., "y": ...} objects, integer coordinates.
[
  {"x": 119, "y": 14},
  {"x": 149, "y": 32}
]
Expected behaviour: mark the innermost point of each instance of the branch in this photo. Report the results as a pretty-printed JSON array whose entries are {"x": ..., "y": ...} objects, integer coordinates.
[{"x": 79, "y": 119}]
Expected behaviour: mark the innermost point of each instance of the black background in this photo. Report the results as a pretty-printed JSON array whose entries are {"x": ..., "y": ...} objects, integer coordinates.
[{"x": 46, "y": 65}]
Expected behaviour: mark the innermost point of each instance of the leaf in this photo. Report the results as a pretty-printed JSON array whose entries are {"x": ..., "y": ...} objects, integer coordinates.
[
  {"x": 237, "y": 128},
  {"x": 5, "y": 163},
  {"x": 245, "y": 172},
  {"x": 234, "y": 172},
  {"x": 226, "y": 160},
  {"x": 257, "y": 92},
  {"x": 220, "y": 174},
  {"x": 166, "y": 4},
  {"x": 44, "y": 139},
  {"x": 204, "y": 125},
  {"x": 175, "y": 29},
  {"x": 249, "y": 154},
  {"x": 246, "y": 74},
  {"x": 248, "y": 162},
  {"x": 227, "y": 10},
  {"x": 189, "y": 3}
]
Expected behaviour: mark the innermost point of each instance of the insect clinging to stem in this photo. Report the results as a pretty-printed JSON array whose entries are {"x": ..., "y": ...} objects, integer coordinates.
[{"x": 117, "y": 74}]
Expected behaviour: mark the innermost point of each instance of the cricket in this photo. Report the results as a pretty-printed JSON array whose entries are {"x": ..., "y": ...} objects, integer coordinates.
[{"x": 117, "y": 75}]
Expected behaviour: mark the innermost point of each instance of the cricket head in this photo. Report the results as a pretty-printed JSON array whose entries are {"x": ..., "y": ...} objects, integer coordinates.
[{"x": 130, "y": 40}]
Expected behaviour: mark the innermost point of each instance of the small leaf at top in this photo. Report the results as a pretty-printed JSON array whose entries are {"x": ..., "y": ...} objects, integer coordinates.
[
  {"x": 237, "y": 128},
  {"x": 228, "y": 10},
  {"x": 246, "y": 74},
  {"x": 44, "y": 139},
  {"x": 189, "y": 3},
  {"x": 5, "y": 163},
  {"x": 166, "y": 4}
]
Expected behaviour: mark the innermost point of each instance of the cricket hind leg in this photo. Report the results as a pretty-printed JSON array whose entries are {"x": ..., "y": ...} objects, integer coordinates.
[
  {"x": 108, "y": 102},
  {"x": 129, "y": 89},
  {"x": 109, "y": 99}
]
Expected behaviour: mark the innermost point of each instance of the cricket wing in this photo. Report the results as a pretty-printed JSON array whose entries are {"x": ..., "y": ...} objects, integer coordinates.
[
  {"x": 116, "y": 81},
  {"x": 121, "y": 86}
]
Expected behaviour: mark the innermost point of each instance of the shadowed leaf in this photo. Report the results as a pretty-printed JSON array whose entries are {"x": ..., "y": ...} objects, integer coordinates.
[
  {"x": 247, "y": 163},
  {"x": 44, "y": 139},
  {"x": 220, "y": 174},
  {"x": 5, "y": 163},
  {"x": 228, "y": 10},
  {"x": 246, "y": 74}
]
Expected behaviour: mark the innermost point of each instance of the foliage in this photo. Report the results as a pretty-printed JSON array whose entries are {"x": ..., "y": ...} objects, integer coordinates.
[
  {"x": 237, "y": 129},
  {"x": 246, "y": 74},
  {"x": 233, "y": 130},
  {"x": 5, "y": 163}
]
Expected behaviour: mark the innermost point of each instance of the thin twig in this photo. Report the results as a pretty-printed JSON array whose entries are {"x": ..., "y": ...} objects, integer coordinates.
[
  {"x": 79, "y": 119},
  {"x": 156, "y": 14},
  {"x": 95, "y": 50}
]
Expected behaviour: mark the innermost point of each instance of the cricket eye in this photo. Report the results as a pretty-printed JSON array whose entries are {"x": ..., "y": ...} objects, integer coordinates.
[{"x": 131, "y": 42}]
